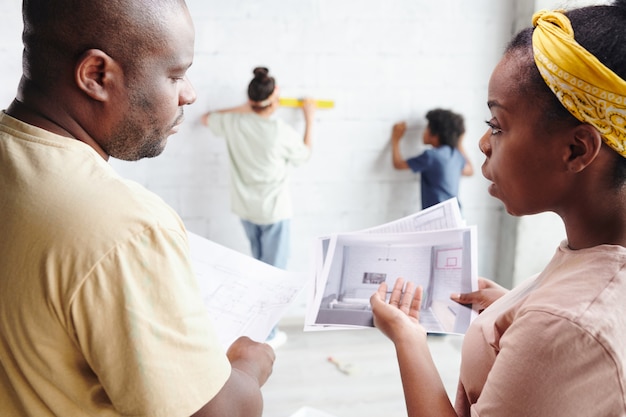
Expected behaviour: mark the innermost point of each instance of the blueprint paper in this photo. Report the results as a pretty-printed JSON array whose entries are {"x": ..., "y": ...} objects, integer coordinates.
[{"x": 244, "y": 296}]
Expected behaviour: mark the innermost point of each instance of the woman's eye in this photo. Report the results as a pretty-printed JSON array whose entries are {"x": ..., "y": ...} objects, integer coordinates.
[{"x": 494, "y": 129}]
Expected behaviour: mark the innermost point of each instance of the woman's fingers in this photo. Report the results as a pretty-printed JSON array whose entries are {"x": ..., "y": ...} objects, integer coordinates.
[
  {"x": 407, "y": 298},
  {"x": 416, "y": 303},
  {"x": 396, "y": 293}
]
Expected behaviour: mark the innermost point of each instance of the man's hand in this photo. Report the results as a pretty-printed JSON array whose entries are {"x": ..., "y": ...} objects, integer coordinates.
[{"x": 253, "y": 358}]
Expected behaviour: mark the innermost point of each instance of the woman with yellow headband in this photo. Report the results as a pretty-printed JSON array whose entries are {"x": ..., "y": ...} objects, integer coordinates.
[{"x": 555, "y": 345}]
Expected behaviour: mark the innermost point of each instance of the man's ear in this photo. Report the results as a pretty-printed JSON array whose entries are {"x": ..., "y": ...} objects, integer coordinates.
[
  {"x": 584, "y": 147},
  {"x": 95, "y": 74}
]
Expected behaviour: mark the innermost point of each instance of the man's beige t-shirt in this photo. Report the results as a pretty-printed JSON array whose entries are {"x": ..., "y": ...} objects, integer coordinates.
[
  {"x": 262, "y": 151},
  {"x": 555, "y": 345},
  {"x": 99, "y": 306}
]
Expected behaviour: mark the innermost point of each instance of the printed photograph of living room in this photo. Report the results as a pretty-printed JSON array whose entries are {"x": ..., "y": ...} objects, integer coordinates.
[{"x": 440, "y": 262}]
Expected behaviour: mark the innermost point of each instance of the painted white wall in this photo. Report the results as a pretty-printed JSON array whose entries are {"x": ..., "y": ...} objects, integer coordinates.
[
  {"x": 10, "y": 49},
  {"x": 381, "y": 61}
]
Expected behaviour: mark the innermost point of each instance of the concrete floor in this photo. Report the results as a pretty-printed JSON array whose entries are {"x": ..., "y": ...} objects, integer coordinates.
[{"x": 370, "y": 386}]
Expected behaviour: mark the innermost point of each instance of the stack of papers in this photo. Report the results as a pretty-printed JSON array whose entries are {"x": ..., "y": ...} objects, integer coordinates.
[{"x": 432, "y": 248}]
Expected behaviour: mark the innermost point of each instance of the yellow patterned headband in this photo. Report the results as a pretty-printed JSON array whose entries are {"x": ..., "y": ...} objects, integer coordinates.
[{"x": 590, "y": 91}]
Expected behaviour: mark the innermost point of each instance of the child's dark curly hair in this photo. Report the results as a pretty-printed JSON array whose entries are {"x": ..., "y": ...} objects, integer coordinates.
[{"x": 446, "y": 125}]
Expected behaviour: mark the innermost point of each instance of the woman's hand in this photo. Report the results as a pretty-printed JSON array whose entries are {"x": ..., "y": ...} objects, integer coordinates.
[
  {"x": 308, "y": 109},
  {"x": 400, "y": 317},
  {"x": 488, "y": 292}
]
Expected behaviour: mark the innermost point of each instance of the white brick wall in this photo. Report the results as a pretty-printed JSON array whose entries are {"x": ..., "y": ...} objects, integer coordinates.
[
  {"x": 380, "y": 60},
  {"x": 10, "y": 49}
]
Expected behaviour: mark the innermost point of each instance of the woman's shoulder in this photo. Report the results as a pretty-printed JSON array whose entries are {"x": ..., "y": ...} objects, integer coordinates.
[{"x": 586, "y": 287}]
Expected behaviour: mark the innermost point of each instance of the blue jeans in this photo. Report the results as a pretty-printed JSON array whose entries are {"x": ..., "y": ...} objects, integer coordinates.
[{"x": 269, "y": 243}]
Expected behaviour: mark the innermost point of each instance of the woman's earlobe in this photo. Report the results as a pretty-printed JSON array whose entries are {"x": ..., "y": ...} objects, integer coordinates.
[{"x": 584, "y": 147}]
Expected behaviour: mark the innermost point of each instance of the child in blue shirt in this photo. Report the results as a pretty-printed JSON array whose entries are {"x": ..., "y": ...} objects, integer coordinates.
[{"x": 441, "y": 166}]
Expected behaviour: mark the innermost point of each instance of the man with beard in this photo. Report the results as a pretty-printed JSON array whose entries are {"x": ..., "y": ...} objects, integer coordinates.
[{"x": 99, "y": 306}]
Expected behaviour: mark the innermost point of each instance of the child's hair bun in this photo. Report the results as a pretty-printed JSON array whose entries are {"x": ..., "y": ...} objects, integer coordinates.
[{"x": 260, "y": 73}]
